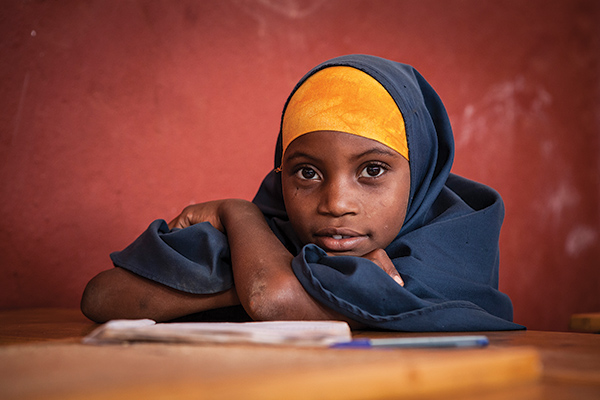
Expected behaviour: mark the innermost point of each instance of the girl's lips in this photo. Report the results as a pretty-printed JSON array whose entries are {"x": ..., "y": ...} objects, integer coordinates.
[{"x": 339, "y": 239}]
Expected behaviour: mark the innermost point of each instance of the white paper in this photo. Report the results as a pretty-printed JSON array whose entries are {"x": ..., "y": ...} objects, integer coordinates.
[{"x": 296, "y": 333}]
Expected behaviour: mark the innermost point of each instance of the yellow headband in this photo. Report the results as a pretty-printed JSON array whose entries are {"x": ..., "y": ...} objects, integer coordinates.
[{"x": 347, "y": 100}]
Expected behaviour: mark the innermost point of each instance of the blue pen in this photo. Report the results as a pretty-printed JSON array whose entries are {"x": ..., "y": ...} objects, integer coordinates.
[{"x": 415, "y": 342}]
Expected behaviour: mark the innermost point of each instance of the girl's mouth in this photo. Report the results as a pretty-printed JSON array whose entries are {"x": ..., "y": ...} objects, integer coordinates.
[{"x": 339, "y": 240}]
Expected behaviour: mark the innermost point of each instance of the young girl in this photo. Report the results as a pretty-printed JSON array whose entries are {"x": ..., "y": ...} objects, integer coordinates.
[{"x": 361, "y": 220}]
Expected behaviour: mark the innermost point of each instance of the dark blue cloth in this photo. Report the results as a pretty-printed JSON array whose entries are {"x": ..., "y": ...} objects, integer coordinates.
[{"x": 446, "y": 252}]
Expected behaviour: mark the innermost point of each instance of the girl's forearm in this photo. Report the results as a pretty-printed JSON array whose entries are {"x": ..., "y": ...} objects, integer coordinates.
[
  {"x": 118, "y": 293},
  {"x": 265, "y": 283}
]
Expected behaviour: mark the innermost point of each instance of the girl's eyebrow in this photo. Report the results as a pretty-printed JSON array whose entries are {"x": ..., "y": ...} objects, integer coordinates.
[
  {"x": 381, "y": 151},
  {"x": 299, "y": 154}
]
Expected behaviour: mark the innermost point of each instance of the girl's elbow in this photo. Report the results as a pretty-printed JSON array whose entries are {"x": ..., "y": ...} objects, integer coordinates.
[
  {"x": 92, "y": 301},
  {"x": 88, "y": 306},
  {"x": 276, "y": 302}
]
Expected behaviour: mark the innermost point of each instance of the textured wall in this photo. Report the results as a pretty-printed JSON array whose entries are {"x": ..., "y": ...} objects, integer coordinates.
[{"x": 116, "y": 113}]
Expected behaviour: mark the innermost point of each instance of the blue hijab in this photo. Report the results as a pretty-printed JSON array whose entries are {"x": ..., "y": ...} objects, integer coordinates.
[{"x": 446, "y": 252}]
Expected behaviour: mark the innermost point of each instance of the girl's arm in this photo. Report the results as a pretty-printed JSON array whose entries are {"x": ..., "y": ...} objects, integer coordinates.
[
  {"x": 263, "y": 276},
  {"x": 265, "y": 283},
  {"x": 118, "y": 293},
  {"x": 262, "y": 267}
]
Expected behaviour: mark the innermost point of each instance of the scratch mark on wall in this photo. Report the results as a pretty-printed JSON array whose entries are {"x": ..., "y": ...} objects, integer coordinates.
[
  {"x": 563, "y": 197},
  {"x": 579, "y": 239},
  {"x": 500, "y": 109},
  {"x": 291, "y": 9}
]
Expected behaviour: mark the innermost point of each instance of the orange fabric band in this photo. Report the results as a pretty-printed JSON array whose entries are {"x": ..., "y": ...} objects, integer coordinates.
[{"x": 347, "y": 100}]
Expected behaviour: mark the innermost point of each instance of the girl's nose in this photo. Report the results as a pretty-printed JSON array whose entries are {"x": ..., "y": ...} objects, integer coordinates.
[{"x": 337, "y": 199}]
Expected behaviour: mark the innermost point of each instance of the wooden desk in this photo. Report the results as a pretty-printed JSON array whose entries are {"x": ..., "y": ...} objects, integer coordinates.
[{"x": 41, "y": 357}]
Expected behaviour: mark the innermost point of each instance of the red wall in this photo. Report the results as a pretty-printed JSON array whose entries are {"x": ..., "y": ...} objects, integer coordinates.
[{"x": 116, "y": 113}]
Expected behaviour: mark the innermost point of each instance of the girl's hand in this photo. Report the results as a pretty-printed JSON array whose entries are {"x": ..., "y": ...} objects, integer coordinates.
[
  {"x": 211, "y": 211},
  {"x": 197, "y": 213},
  {"x": 382, "y": 260}
]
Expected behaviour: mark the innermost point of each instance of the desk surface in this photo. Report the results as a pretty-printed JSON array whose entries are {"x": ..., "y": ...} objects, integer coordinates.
[{"x": 42, "y": 357}]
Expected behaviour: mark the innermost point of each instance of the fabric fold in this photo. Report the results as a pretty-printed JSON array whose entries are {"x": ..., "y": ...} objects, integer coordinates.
[{"x": 194, "y": 260}]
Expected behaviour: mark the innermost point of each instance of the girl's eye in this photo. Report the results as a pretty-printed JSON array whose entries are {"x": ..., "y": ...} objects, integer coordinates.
[
  {"x": 307, "y": 173},
  {"x": 372, "y": 171}
]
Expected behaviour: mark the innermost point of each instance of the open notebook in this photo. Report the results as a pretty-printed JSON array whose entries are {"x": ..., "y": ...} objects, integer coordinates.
[{"x": 295, "y": 333}]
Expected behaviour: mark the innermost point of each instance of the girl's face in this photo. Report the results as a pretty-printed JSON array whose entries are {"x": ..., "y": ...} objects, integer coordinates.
[{"x": 344, "y": 193}]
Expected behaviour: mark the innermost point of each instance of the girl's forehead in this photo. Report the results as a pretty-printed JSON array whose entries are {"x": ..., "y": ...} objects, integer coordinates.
[{"x": 333, "y": 144}]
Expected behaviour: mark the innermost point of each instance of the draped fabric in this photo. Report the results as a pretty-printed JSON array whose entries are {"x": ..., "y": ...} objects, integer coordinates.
[
  {"x": 446, "y": 252},
  {"x": 344, "y": 99}
]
